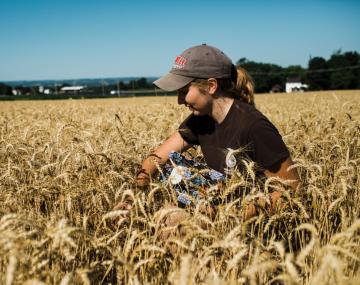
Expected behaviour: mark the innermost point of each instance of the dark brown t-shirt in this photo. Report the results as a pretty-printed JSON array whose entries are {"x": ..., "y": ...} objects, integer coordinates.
[{"x": 244, "y": 128}]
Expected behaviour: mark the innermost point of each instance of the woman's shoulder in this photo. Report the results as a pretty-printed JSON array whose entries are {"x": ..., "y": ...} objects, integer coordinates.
[
  {"x": 254, "y": 121},
  {"x": 246, "y": 115}
]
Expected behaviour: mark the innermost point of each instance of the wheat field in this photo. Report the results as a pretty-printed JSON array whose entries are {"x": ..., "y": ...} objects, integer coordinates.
[{"x": 65, "y": 164}]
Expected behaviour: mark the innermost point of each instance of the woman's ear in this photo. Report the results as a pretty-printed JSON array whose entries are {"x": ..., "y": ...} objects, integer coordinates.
[{"x": 212, "y": 86}]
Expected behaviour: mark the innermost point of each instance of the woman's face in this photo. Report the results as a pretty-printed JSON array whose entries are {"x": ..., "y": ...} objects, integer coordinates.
[{"x": 197, "y": 102}]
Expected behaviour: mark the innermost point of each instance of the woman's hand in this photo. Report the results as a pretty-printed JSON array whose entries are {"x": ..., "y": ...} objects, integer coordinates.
[
  {"x": 142, "y": 180},
  {"x": 159, "y": 157},
  {"x": 126, "y": 206},
  {"x": 250, "y": 210}
]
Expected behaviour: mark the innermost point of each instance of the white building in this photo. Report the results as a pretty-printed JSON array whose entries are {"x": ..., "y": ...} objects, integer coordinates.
[
  {"x": 71, "y": 89},
  {"x": 295, "y": 85},
  {"x": 115, "y": 92}
]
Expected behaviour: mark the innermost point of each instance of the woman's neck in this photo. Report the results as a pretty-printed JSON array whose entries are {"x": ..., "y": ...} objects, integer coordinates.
[{"x": 220, "y": 108}]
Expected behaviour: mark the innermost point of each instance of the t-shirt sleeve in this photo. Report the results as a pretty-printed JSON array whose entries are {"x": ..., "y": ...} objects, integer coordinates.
[
  {"x": 268, "y": 146},
  {"x": 188, "y": 130}
]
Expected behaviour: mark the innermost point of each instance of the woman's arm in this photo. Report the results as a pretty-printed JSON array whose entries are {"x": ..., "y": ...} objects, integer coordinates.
[
  {"x": 281, "y": 170},
  {"x": 159, "y": 156}
]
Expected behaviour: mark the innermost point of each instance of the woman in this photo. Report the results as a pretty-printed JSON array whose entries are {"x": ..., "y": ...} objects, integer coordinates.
[{"x": 223, "y": 120}]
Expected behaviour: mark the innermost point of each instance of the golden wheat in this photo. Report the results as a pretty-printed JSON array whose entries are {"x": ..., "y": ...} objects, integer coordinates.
[{"x": 65, "y": 164}]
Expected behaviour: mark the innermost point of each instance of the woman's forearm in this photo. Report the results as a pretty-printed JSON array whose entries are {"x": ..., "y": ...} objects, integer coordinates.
[{"x": 159, "y": 157}]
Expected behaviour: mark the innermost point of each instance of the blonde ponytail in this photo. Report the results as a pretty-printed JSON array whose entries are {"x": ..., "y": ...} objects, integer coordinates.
[{"x": 244, "y": 86}]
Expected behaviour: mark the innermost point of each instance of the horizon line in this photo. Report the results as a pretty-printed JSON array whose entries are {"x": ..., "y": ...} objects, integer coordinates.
[{"x": 78, "y": 78}]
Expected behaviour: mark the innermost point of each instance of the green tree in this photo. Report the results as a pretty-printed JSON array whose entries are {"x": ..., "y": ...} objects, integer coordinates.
[
  {"x": 295, "y": 71},
  {"x": 5, "y": 89},
  {"x": 345, "y": 77},
  {"x": 142, "y": 83},
  {"x": 265, "y": 75},
  {"x": 317, "y": 76}
]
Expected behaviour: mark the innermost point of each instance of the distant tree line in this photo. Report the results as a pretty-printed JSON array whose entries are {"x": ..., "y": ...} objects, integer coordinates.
[
  {"x": 136, "y": 84},
  {"x": 104, "y": 88},
  {"x": 340, "y": 71},
  {"x": 8, "y": 90}
]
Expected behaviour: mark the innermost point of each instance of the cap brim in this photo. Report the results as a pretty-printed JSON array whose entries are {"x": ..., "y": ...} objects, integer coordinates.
[{"x": 172, "y": 82}]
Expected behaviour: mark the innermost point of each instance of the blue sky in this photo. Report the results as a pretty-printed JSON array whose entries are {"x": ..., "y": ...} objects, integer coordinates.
[{"x": 65, "y": 39}]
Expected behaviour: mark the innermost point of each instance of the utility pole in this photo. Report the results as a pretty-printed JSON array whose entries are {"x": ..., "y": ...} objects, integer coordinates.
[
  {"x": 133, "y": 87},
  {"x": 118, "y": 88}
]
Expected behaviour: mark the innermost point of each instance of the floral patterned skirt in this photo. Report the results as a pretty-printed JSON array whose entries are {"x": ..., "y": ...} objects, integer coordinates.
[{"x": 191, "y": 180}]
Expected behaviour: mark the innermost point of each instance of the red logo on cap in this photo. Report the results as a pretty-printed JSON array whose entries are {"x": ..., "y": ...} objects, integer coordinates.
[{"x": 180, "y": 61}]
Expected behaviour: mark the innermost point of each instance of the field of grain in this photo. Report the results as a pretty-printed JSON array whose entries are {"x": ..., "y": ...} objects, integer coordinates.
[{"x": 65, "y": 164}]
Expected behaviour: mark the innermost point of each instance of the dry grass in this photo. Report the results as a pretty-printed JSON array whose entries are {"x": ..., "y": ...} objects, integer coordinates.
[{"x": 64, "y": 164}]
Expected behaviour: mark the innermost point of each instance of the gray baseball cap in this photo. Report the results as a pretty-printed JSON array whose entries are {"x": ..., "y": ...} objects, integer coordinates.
[{"x": 200, "y": 61}]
